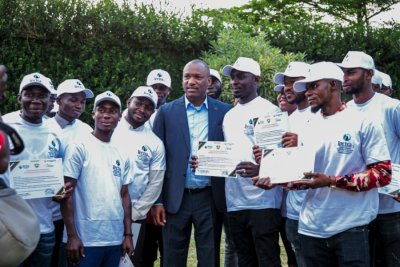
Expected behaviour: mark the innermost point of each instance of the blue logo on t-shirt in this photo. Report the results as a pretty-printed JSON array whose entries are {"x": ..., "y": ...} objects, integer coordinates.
[
  {"x": 53, "y": 151},
  {"x": 117, "y": 169},
  {"x": 345, "y": 146}
]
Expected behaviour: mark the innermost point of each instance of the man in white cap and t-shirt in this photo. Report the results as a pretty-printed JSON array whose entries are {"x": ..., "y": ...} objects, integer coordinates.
[
  {"x": 148, "y": 157},
  {"x": 376, "y": 81},
  {"x": 41, "y": 141},
  {"x": 71, "y": 101},
  {"x": 387, "y": 87},
  {"x": 253, "y": 213},
  {"x": 358, "y": 69},
  {"x": 299, "y": 119},
  {"x": 351, "y": 161},
  {"x": 98, "y": 215},
  {"x": 215, "y": 88}
]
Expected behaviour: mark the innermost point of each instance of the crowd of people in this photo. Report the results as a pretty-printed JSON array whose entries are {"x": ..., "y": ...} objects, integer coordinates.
[{"x": 131, "y": 186}]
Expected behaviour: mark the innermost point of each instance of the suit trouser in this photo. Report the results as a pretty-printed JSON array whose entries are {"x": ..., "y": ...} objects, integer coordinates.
[{"x": 197, "y": 209}]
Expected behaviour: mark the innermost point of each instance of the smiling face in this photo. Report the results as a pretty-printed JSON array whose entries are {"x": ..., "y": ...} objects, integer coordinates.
[
  {"x": 196, "y": 79},
  {"x": 140, "y": 110},
  {"x": 292, "y": 96},
  {"x": 284, "y": 104},
  {"x": 162, "y": 93},
  {"x": 71, "y": 106},
  {"x": 34, "y": 102}
]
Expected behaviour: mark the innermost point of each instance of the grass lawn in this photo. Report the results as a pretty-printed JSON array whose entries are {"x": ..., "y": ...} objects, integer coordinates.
[{"x": 192, "y": 259}]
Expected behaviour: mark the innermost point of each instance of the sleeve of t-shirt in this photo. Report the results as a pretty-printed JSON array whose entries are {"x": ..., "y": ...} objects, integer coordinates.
[
  {"x": 73, "y": 160},
  {"x": 374, "y": 146},
  {"x": 395, "y": 120},
  {"x": 158, "y": 160},
  {"x": 128, "y": 173}
]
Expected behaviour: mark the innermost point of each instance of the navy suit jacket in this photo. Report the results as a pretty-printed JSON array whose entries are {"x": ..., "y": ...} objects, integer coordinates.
[{"x": 171, "y": 126}]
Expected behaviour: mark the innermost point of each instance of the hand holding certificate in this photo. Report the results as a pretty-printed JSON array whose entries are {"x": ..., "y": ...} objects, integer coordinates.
[
  {"x": 283, "y": 165},
  {"x": 37, "y": 178},
  {"x": 217, "y": 158},
  {"x": 268, "y": 130}
]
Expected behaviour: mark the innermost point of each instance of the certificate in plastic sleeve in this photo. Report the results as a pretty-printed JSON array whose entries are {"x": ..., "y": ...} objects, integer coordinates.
[
  {"x": 37, "y": 178},
  {"x": 217, "y": 158},
  {"x": 393, "y": 188},
  {"x": 268, "y": 130},
  {"x": 284, "y": 165}
]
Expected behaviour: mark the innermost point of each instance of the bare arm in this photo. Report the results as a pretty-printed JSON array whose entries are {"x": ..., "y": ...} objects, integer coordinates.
[{"x": 127, "y": 243}]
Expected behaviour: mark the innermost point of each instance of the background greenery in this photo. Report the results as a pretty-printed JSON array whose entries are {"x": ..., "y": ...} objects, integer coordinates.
[{"x": 110, "y": 46}]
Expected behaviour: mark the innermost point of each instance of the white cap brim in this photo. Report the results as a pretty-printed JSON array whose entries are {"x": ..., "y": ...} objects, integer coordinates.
[{"x": 278, "y": 88}]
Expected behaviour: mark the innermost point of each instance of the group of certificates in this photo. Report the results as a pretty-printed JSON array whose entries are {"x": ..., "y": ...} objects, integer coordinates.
[
  {"x": 281, "y": 165},
  {"x": 44, "y": 178}
]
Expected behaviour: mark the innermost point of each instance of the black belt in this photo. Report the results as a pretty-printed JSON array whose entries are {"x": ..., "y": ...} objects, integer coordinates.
[{"x": 196, "y": 190}]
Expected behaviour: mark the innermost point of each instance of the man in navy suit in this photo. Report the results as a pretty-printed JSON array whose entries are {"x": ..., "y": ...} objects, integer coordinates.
[{"x": 188, "y": 199}]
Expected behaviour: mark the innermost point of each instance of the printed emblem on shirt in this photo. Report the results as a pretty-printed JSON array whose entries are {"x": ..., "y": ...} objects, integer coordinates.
[
  {"x": 143, "y": 154},
  {"x": 117, "y": 169},
  {"x": 345, "y": 146},
  {"x": 53, "y": 149}
]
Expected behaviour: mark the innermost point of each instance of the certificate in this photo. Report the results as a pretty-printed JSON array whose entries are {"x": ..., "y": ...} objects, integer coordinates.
[
  {"x": 217, "y": 159},
  {"x": 268, "y": 130},
  {"x": 284, "y": 165},
  {"x": 393, "y": 188},
  {"x": 37, "y": 178}
]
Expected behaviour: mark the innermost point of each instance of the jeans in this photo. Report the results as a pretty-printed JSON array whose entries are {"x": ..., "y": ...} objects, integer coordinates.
[
  {"x": 385, "y": 240},
  {"x": 230, "y": 259},
  {"x": 292, "y": 234},
  {"x": 255, "y": 234},
  {"x": 41, "y": 256},
  {"x": 349, "y": 248},
  {"x": 100, "y": 256}
]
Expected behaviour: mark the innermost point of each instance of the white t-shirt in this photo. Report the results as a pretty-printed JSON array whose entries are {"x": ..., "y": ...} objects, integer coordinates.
[
  {"x": 147, "y": 154},
  {"x": 41, "y": 142},
  {"x": 299, "y": 123},
  {"x": 347, "y": 144},
  {"x": 386, "y": 111},
  {"x": 101, "y": 169},
  {"x": 241, "y": 194},
  {"x": 70, "y": 133}
]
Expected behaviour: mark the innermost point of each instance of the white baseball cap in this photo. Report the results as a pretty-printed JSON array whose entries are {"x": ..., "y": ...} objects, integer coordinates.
[
  {"x": 244, "y": 64},
  {"x": 357, "y": 59},
  {"x": 386, "y": 80},
  {"x": 294, "y": 69},
  {"x": 107, "y": 96},
  {"x": 377, "y": 78},
  {"x": 320, "y": 71},
  {"x": 72, "y": 86},
  {"x": 147, "y": 92},
  {"x": 39, "y": 80},
  {"x": 159, "y": 76},
  {"x": 278, "y": 87},
  {"x": 215, "y": 74}
]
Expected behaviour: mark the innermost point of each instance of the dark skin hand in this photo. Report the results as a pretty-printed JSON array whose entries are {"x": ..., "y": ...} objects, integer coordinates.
[
  {"x": 263, "y": 183},
  {"x": 317, "y": 180},
  {"x": 247, "y": 169},
  {"x": 289, "y": 140}
]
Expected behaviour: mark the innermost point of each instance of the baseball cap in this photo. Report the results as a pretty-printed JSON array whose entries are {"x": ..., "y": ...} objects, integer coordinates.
[
  {"x": 244, "y": 64},
  {"x": 376, "y": 78},
  {"x": 320, "y": 71},
  {"x": 357, "y": 59},
  {"x": 215, "y": 74},
  {"x": 159, "y": 76},
  {"x": 294, "y": 69},
  {"x": 386, "y": 80},
  {"x": 278, "y": 87},
  {"x": 37, "y": 79},
  {"x": 72, "y": 86},
  {"x": 107, "y": 96},
  {"x": 147, "y": 92}
]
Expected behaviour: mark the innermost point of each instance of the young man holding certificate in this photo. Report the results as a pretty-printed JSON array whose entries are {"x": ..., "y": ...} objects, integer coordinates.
[
  {"x": 253, "y": 213},
  {"x": 41, "y": 142},
  {"x": 351, "y": 161}
]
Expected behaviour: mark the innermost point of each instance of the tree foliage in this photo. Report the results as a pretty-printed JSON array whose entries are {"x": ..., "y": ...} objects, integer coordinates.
[
  {"x": 105, "y": 45},
  {"x": 232, "y": 44}
]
